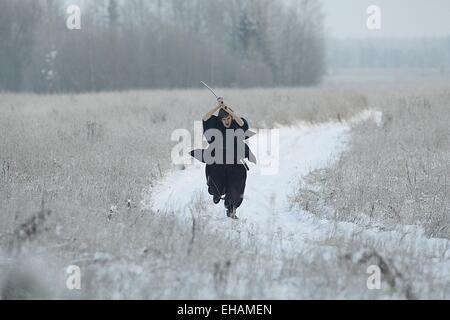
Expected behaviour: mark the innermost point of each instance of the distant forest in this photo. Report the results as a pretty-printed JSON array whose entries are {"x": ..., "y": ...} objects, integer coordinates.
[
  {"x": 137, "y": 44},
  {"x": 140, "y": 44},
  {"x": 420, "y": 53}
]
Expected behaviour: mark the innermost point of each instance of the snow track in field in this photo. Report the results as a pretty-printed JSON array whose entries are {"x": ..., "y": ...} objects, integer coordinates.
[
  {"x": 302, "y": 149},
  {"x": 266, "y": 214}
]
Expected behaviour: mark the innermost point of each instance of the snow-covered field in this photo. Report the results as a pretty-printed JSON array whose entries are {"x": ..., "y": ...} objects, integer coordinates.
[
  {"x": 267, "y": 210},
  {"x": 87, "y": 180}
]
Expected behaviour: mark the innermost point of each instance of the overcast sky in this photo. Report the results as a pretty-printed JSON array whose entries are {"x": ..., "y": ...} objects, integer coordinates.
[{"x": 399, "y": 18}]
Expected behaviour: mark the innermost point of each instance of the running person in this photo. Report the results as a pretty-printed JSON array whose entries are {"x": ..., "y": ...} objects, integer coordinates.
[{"x": 226, "y": 170}]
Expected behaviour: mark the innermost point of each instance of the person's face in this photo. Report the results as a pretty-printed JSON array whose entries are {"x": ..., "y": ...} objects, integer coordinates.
[{"x": 227, "y": 121}]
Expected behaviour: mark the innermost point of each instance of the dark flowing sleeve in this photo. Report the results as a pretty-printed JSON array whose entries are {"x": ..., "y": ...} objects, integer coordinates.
[
  {"x": 210, "y": 123},
  {"x": 245, "y": 127}
]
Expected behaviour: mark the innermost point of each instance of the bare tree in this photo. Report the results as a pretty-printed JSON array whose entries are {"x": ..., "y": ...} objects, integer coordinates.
[{"x": 18, "y": 20}]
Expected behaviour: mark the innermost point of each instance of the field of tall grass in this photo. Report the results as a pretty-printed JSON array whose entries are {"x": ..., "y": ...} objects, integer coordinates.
[
  {"x": 397, "y": 175},
  {"x": 73, "y": 169}
]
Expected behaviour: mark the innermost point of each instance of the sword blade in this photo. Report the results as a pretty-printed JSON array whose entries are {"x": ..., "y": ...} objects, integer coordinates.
[{"x": 209, "y": 88}]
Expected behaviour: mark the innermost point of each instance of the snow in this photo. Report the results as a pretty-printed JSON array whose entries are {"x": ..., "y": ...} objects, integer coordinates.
[
  {"x": 266, "y": 213},
  {"x": 303, "y": 149}
]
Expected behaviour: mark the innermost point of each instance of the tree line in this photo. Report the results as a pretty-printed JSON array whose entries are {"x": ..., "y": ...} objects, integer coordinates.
[
  {"x": 432, "y": 53},
  {"x": 139, "y": 44}
]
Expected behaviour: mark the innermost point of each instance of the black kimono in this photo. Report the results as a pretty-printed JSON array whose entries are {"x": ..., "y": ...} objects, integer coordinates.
[{"x": 226, "y": 171}]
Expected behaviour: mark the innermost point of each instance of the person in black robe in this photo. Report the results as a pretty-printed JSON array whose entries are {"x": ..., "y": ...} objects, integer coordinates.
[{"x": 226, "y": 169}]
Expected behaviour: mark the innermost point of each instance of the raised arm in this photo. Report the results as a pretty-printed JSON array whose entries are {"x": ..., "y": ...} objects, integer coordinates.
[{"x": 207, "y": 116}]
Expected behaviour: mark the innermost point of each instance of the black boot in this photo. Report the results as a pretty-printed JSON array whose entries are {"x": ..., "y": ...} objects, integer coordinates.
[{"x": 231, "y": 213}]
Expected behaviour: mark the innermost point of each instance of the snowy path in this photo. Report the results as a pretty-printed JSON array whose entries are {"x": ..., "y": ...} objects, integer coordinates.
[
  {"x": 266, "y": 213},
  {"x": 303, "y": 148}
]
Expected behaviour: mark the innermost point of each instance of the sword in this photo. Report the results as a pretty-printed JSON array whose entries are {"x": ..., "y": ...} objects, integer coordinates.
[{"x": 209, "y": 88}]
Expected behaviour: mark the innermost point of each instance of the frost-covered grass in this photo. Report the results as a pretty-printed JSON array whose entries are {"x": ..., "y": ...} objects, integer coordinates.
[
  {"x": 87, "y": 153},
  {"x": 69, "y": 165},
  {"x": 398, "y": 173}
]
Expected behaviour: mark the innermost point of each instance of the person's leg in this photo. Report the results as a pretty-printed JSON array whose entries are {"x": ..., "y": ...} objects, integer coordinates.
[
  {"x": 236, "y": 179},
  {"x": 216, "y": 181}
]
